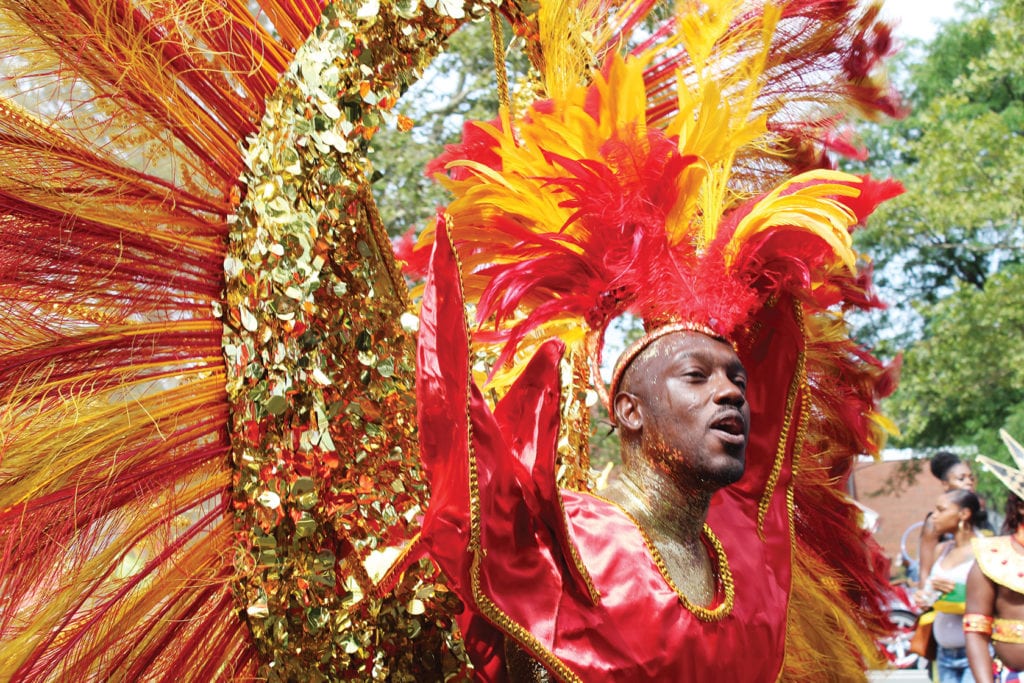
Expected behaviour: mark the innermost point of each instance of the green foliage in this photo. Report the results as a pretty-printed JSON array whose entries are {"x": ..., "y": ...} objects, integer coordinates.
[
  {"x": 967, "y": 375},
  {"x": 949, "y": 252},
  {"x": 961, "y": 157}
]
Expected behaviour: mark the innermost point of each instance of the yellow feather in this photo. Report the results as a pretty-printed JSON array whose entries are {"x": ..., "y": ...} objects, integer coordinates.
[
  {"x": 810, "y": 208},
  {"x": 824, "y": 642},
  {"x": 572, "y": 36}
]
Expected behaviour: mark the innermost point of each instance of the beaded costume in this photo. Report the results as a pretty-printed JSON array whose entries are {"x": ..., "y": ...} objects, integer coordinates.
[
  {"x": 999, "y": 557},
  {"x": 212, "y": 403}
]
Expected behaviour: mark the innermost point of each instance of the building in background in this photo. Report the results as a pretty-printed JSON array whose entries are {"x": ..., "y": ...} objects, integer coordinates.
[{"x": 898, "y": 491}]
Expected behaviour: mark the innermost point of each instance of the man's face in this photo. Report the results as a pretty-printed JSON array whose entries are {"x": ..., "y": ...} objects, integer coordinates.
[{"x": 692, "y": 403}]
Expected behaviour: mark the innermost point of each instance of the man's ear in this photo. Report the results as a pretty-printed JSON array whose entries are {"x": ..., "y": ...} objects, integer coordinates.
[{"x": 628, "y": 412}]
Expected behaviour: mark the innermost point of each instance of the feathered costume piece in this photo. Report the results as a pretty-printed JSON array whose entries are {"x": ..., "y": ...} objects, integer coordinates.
[
  {"x": 120, "y": 130},
  {"x": 208, "y": 450},
  {"x": 208, "y": 438},
  {"x": 686, "y": 183}
]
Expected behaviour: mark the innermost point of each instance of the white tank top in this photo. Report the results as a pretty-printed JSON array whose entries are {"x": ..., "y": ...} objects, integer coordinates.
[{"x": 948, "y": 629}]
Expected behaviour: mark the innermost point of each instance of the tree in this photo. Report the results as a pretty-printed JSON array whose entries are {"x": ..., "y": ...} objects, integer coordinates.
[
  {"x": 960, "y": 156},
  {"x": 949, "y": 252},
  {"x": 966, "y": 377},
  {"x": 459, "y": 85}
]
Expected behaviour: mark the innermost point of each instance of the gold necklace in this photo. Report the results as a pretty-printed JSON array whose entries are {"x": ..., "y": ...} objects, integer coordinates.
[{"x": 723, "y": 576}]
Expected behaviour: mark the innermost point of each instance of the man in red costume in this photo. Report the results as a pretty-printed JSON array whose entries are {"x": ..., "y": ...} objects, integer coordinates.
[
  {"x": 652, "y": 580},
  {"x": 684, "y": 419},
  {"x": 714, "y": 552}
]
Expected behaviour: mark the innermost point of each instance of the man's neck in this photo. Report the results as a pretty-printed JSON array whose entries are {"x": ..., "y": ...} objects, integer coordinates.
[
  {"x": 673, "y": 519},
  {"x": 660, "y": 505}
]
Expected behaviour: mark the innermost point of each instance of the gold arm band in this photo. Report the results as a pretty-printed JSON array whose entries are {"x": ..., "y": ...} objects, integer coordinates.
[{"x": 978, "y": 623}]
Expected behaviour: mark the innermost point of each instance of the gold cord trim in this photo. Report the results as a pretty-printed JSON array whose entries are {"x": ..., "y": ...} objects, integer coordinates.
[
  {"x": 723, "y": 573},
  {"x": 595, "y": 595},
  {"x": 499, "y": 64},
  {"x": 799, "y": 379},
  {"x": 798, "y": 448},
  {"x": 511, "y": 627},
  {"x": 474, "y": 487}
]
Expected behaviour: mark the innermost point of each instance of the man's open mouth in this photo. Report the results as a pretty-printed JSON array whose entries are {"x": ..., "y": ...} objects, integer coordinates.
[{"x": 730, "y": 427}]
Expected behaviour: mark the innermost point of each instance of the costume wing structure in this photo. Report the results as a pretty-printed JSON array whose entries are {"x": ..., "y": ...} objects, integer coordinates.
[
  {"x": 208, "y": 456},
  {"x": 120, "y": 146},
  {"x": 1010, "y": 476}
]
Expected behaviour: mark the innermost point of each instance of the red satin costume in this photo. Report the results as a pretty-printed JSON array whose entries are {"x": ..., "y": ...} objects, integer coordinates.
[{"x": 506, "y": 535}]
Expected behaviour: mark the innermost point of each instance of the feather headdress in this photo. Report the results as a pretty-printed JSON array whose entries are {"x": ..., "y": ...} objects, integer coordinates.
[
  {"x": 687, "y": 180},
  {"x": 677, "y": 181}
]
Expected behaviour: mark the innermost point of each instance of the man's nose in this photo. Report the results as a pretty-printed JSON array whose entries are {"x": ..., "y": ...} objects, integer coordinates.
[{"x": 727, "y": 391}]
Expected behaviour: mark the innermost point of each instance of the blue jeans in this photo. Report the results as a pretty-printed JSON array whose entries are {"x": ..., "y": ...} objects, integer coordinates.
[{"x": 951, "y": 665}]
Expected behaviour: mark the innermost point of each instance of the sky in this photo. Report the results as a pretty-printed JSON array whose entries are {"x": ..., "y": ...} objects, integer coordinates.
[{"x": 916, "y": 18}]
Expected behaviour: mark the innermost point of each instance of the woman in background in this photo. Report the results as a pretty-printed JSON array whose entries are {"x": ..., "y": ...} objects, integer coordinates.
[
  {"x": 956, "y": 512},
  {"x": 953, "y": 473}
]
